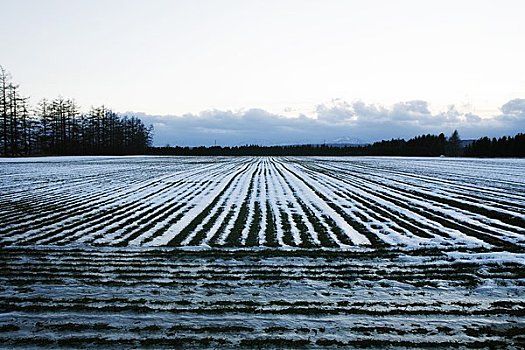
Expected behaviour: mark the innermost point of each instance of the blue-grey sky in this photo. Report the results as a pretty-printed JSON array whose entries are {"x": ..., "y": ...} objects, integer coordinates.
[
  {"x": 254, "y": 64},
  {"x": 338, "y": 121}
]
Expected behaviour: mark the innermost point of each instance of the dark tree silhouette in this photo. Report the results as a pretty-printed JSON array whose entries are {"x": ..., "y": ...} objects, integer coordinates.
[
  {"x": 506, "y": 146},
  {"x": 4, "y": 83},
  {"x": 454, "y": 148},
  {"x": 57, "y": 127}
]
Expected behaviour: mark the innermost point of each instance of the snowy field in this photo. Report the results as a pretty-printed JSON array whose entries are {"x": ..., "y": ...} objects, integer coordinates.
[
  {"x": 272, "y": 252},
  {"x": 273, "y": 202}
]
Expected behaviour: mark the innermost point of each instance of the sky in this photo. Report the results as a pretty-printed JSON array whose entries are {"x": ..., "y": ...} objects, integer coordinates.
[{"x": 285, "y": 71}]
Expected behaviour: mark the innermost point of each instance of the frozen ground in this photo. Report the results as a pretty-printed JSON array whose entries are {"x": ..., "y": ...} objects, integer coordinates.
[
  {"x": 272, "y": 252},
  {"x": 272, "y": 202}
]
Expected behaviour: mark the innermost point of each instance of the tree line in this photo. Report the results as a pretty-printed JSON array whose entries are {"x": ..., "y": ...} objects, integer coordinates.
[
  {"x": 422, "y": 146},
  {"x": 57, "y": 127},
  {"x": 497, "y": 147}
]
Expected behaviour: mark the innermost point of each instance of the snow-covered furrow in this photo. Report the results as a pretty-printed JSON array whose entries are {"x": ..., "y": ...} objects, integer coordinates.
[
  {"x": 100, "y": 226},
  {"x": 510, "y": 203},
  {"x": 392, "y": 225},
  {"x": 104, "y": 198},
  {"x": 180, "y": 197},
  {"x": 447, "y": 218},
  {"x": 47, "y": 201},
  {"x": 400, "y": 226},
  {"x": 451, "y": 213},
  {"x": 189, "y": 200},
  {"x": 233, "y": 194},
  {"x": 494, "y": 207},
  {"x": 166, "y": 298},
  {"x": 239, "y": 197},
  {"x": 315, "y": 210},
  {"x": 201, "y": 204},
  {"x": 474, "y": 221},
  {"x": 295, "y": 208},
  {"x": 484, "y": 195},
  {"x": 356, "y": 207},
  {"x": 503, "y": 170},
  {"x": 262, "y": 198},
  {"x": 303, "y": 202},
  {"x": 127, "y": 224},
  {"x": 286, "y": 207},
  {"x": 483, "y": 177},
  {"x": 226, "y": 204},
  {"x": 92, "y": 209},
  {"x": 253, "y": 196},
  {"x": 277, "y": 202}
]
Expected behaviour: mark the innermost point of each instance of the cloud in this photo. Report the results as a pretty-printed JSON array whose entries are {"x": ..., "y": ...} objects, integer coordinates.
[
  {"x": 410, "y": 111},
  {"x": 472, "y": 118},
  {"x": 335, "y": 120},
  {"x": 514, "y": 107},
  {"x": 340, "y": 112},
  {"x": 512, "y": 117}
]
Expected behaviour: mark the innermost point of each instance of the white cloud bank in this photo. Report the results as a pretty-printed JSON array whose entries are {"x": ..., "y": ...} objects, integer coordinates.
[{"x": 339, "y": 119}]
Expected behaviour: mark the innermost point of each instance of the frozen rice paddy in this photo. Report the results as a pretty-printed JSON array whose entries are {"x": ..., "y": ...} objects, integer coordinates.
[{"x": 262, "y": 252}]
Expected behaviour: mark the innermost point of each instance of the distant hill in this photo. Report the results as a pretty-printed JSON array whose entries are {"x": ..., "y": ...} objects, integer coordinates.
[
  {"x": 466, "y": 143},
  {"x": 347, "y": 141}
]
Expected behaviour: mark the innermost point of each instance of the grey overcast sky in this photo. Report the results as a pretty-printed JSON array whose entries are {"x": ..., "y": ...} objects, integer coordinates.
[{"x": 351, "y": 68}]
